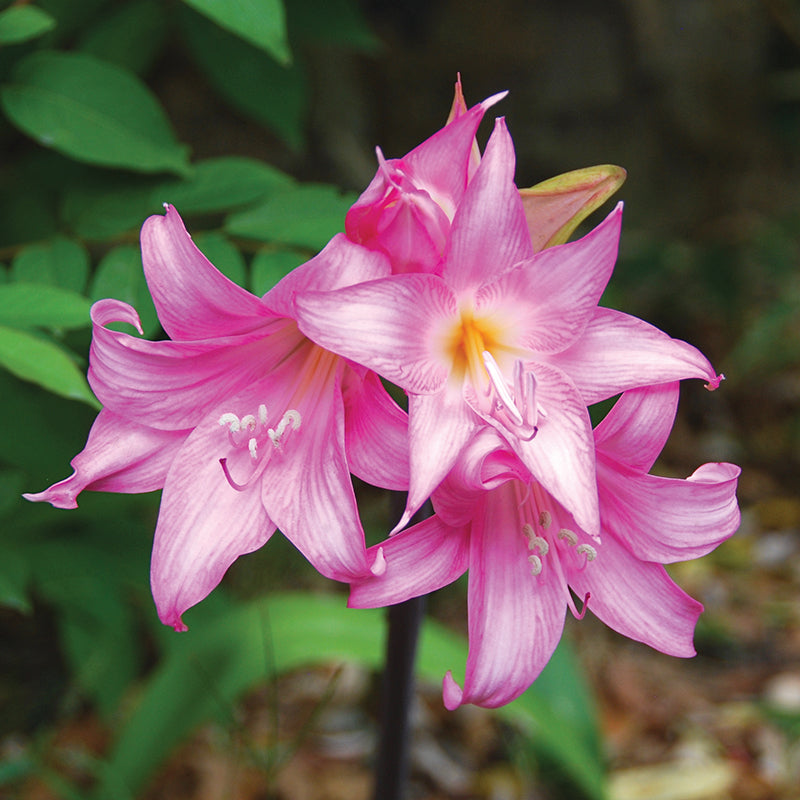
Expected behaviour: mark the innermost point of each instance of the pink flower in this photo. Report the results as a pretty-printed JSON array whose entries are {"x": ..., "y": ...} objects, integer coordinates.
[
  {"x": 245, "y": 423},
  {"x": 525, "y": 551},
  {"x": 505, "y": 337}
]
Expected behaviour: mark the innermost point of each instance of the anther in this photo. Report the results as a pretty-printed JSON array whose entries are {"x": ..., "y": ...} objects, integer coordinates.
[
  {"x": 545, "y": 520},
  {"x": 230, "y": 420},
  {"x": 252, "y": 446},
  {"x": 536, "y": 564},
  {"x": 248, "y": 422},
  {"x": 570, "y": 537},
  {"x": 262, "y": 414},
  {"x": 591, "y": 553},
  {"x": 291, "y": 417}
]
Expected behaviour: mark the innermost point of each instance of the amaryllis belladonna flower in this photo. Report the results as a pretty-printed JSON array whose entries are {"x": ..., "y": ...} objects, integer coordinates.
[
  {"x": 525, "y": 551},
  {"x": 244, "y": 422}
]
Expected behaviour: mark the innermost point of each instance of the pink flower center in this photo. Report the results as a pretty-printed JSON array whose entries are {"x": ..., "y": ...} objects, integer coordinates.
[
  {"x": 473, "y": 344},
  {"x": 253, "y": 432}
]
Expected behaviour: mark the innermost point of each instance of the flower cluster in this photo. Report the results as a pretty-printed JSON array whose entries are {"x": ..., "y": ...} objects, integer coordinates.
[{"x": 464, "y": 291}]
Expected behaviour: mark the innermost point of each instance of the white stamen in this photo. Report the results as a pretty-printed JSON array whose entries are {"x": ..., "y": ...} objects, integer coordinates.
[
  {"x": 262, "y": 414},
  {"x": 545, "y": 520},
  {"x": 567, "y": 534},
  {"x": 248, "y": 422},
  {"x": 230, "y": 420},
  {"x": 294, "y": 417},
  {"x": 252, "y": 446},
  {"x": 291, "y": 417},
  {"x": 591, "y": 553},
  {"x": 536, "y": 565},
  {"x": 541, "y": 544}
]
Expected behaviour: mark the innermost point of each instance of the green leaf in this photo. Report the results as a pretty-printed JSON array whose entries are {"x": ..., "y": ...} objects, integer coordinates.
[
  {"x": 269, "y": 266},
  {"x": 306, "y": 216},
  {"x": 224, "y": 255},
  {"x": 207, "y": 668},
  {"x": 60, "y": 262},
  {"x": 131, "y": 36},
  {"x": 23, "y": 23},
  {"x": 120, "y": 275},
  {"x": 24, "y": 305},
  {"x": 44, "y": 363},
  {"x": 249, "y": 80},
  {"x": 217, "y": 184},
  {"x": 92, "y": 111},
  {"x": 260, "y": 22}
]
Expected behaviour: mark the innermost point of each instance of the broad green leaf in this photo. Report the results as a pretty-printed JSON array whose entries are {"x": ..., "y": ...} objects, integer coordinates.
[
  {"x": 249, "y": 79},
  {"x": 260, "y": 22},
  {"x": 22, "y": 23},
  {"x": 120, "y": 275},
  {"x": 44, "y": 363},
  {"x": 92, "y": 111},
  {"x": 47, "y": 433},
  {"x": 222, "y": 253},
  {"x": 221, "y": 184},
  {"x": 60, "y": 262},
  {"x": 24, "y": 305},
  {"x": 218, "y": 184},
  {"x": 269, "y": 266},
  {"x": 209, "y": 667},
  {"x": 308, "y": 215},
  {"x": 131, "y": 36}
]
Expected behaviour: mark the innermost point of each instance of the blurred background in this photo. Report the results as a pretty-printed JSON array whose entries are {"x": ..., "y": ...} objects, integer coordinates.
[{"x": 698, "y": 99}]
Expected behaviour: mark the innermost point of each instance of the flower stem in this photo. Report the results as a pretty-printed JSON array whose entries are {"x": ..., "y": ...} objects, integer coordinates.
[
  {"x": 391, "y": 767},
  {"x": 404, "y": 621}
]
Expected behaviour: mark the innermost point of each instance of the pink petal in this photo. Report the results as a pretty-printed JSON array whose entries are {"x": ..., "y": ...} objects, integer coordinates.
[
  {"x": 386, "y": 325},
  {"x": 618, "y": 352},
  {"x": 636, "y": 429},
  {"x": 440, "y": 164},
  {"x": 666, "y": 519},
  {"x": 119, "y": 456},
  {"x": 173, "y": 385},
  {"x": 638, "y": 599},
  {"x": 515, "y": 618},
  {"x": 439, "y": 427},
  {"x": 419, "y": 560},
  {"x": 554, "y": 295},
  {"x": 193, "y": 298},
  {"x": 341, "y": 263},
  {"x": 489, "y": 232},
  {"x": 204, "y": 525},
  {"x": 376, "y": 432},
  {"x": 561, "y": 455}
]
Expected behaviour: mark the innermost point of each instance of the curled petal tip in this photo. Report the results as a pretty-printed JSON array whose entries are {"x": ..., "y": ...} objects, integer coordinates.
[
  {"x": 178, "y": 625},
  {"x": 715, "y": 382},
  {"x": 404, "y": 520},
  {"x": 495, "y": 98},
  {"x": 379, "y": 564},
  {"x": 452, "y": 693},
  {"x": 57, "y": 497}
]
